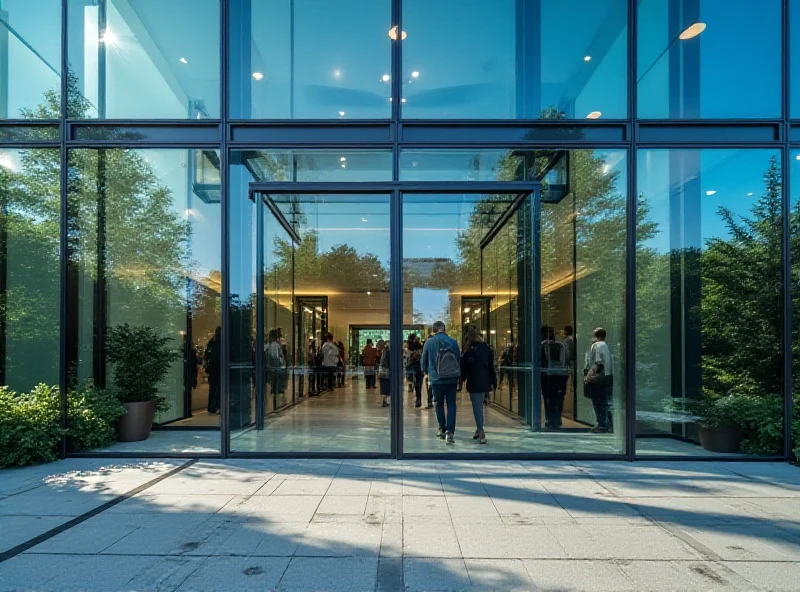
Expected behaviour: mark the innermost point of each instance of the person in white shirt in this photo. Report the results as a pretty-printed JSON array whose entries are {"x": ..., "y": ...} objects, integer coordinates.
[
  {"x": 330, "y": 359},
  {"x": 599, "y": 360}
]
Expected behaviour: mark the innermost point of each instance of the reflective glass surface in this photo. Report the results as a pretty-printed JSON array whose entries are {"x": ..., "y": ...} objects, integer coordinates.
[
  {"x": 316, "y": 165},
  {"x": 30, "y": 59},
  {"x": 504, "y": 59},
  {"x": 145, "y": 250},
  {"x": 709, "y": 59},
  {"x": 144, "y": 59},
  {"x": 709, "y": 312},
  {"x": 306, "y": 59},
  {"x": 29, "y": 267}
]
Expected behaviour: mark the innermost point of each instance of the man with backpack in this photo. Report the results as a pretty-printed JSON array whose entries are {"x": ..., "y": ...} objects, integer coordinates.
[
  {"x": 441, "y": 361},
  {"x": 555, "y": 373}
]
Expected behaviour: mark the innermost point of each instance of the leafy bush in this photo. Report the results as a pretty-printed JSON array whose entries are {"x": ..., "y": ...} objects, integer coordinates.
[
  {"x": 30, "y": 426},
  {"x": 92, "y": 414},
  {"x": 141, "y": 360}
]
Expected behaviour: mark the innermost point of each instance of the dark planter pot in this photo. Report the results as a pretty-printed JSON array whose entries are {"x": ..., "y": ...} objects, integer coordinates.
[
  {"x": 137, "y": 422},
  {"x": 720, "y": 438}
]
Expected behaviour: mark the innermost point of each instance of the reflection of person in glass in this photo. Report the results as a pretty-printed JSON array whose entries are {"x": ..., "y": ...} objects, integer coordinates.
[
  {"x": 414, "y": 367},
  {"x": 384, "y": 375},
  {"x": 330, "y": 360},
  {"x": 599, "y": 379},
  {"x": 555, "y": 372},
  {"x": 477, "y": 370},
  {"x": 506, "y": 361},
  {"x": 213, "y": 365},
  {"x": 369, "y": 359},
  {"x": 273, "y": 354}
]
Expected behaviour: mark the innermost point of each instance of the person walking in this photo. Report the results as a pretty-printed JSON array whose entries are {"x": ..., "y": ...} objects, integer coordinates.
[
  {"x": 340, "y": 366},
  {"x": 330, "y": 360},
  {"x": 213, "y": 365},
  {"x": 441, "y": 362},
  {"x": 384, "y": 375},
  {"x": 555, "y": 372},
  {"x": 414, "y": 367},
  {"x": 273, "y": 354},
  {"x": 369, "y": 359},
  {"x": 477, "y": 371},
  {"x": 599, "y": 380}
]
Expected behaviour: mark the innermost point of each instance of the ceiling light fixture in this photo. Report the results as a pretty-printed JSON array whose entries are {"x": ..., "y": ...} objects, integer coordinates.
[
  {"x": 337, "y": 73},
  {"x": 403, "y": 100},
  {"x": 258, "y": 75},
  {"x": 343, "y": 158},
  {"x": 184, "y": 61},
  {"x": 594, "y": 115},
  {"x": 341, "y": 113},
  {"x": 692, "y": 31},
  {"x": 587, "y": 58},
  {"x": 363, "y": 219},
  {"x": 711, "y": 192},
  {"x": 385, "y": 78},
  {"x": 750, "y": 194},
  {"x": 415, "y": 74},
  {"x": 393, "y": 34}
]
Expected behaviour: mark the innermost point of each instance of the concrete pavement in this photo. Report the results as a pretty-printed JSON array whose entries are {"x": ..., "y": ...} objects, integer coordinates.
[{"x": 313, "y": 525}]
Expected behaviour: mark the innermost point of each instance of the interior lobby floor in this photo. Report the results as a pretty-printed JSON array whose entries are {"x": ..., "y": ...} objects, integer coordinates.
[{"x": 351, "y": 419}]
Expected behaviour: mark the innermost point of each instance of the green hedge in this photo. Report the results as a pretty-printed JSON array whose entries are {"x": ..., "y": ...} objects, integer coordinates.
[{"x": 30, "y": 423}]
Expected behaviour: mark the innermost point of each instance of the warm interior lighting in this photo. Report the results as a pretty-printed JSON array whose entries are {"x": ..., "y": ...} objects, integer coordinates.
[
  {"x": 258, "y": 75},
  {"x": 594, "y": 115},
  {"x": 393, "y": 33},
  {"x": 466, "y": 309},
  {"x": 692, "y": 31}
]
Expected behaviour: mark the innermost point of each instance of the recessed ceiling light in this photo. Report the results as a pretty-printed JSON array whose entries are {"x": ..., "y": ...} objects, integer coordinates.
[
  {"x": 750, "y": 194},
  {"x": 711, "y": 192},
  {"x": 692, "y": 31},
  {"x": 587, "y": 58},
  {"x": 258, "y": 75},
  {"x": 594, "y": 115},
  {"x": 337, "y": 73},
  {"x": 415, "y": 74},
  {"x": 363, "y": 219},
  {"x": 403, "y": 100},
  {"x": 343, "y": 159},
  {"x": 341, "y": 113},
  {"x": 393, "y": 33},
  {"x": 184, "y": 61},
  {"x": 369, "y": 293},
  {"x": 344, "y": 165},
  {"x": 385, "y": 78},
  {"x": 797, "y": 157}
]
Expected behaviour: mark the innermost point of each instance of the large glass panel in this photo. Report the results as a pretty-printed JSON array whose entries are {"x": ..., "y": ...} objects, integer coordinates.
[
  {"x": 306, "y": 59},
  {"x": 316, "y": 165},
  {"x": 30, "y": 59},
  {"x": 144, "y": 59},
  {"x": 144, "y": 249},
  {"x": 794, "y": 253},
  {"x": 29, "y": 267},
  {"x": 333, "y": 280},
  {"x": 709, "y": 314},
  {"x": 507, "y": 59},
  {"x": 709, "y": 59}
]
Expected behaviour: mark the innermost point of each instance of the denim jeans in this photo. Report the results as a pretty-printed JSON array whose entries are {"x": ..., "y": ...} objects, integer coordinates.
[
  {"x": 477, "y": 409},
  {"x": 446, "y": 393}
]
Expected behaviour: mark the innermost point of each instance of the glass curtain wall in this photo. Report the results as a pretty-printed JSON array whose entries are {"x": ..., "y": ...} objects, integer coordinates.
[
  {"x": 709, "y": 302},
  {"x": 144, "y": 253}
]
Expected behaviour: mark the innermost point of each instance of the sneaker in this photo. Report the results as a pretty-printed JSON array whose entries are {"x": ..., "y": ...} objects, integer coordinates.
[
  {"x": 482, "y": 439},
  {"x": 450, "y": 439},
  {"x": 441, "y": 434}
]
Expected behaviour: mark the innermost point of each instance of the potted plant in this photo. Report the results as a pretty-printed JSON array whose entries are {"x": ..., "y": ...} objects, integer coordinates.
[
  {"x": 719, "y": 420},
  {"x": 141, "y": 360}
]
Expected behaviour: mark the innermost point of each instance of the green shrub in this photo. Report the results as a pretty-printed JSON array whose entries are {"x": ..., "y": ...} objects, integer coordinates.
[
  {"x": 141, "y": 360},
  {"x": 30, "y": 426},
  {"x": 92, "y": 415}
]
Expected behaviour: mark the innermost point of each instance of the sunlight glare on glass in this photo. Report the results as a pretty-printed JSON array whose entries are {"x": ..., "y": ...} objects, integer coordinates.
[
  {"x": 692, "y": 31},
  {"x": 109, "y": 38}
]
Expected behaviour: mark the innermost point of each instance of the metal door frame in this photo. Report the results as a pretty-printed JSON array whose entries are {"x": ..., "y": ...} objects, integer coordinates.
[{"x": 395, "y": 190}]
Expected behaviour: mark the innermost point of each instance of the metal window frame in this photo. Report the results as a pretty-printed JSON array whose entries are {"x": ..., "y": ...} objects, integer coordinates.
[{"x": 225, "y": 133}]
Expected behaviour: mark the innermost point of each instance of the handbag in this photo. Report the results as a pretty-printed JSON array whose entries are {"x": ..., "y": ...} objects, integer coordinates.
[{"x": 595, "y": 375}]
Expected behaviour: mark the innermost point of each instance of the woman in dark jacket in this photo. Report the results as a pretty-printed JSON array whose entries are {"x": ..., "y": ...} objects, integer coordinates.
[{"x": 477, "y": 370}]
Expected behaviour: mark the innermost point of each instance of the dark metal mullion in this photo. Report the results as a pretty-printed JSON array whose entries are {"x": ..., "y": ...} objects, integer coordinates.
[
  {"x": 500, "y": 223},
  {"x": 259, "y": 349},
  {"x": 396, "y": 322},
  {"x": 276, "y": 212},
  {"x": 224, "y": 405},
  {"x": 630, "y": 239},
  {"x": 786, "y": 260},
  {"x": 63, "y": 263},
  {"x": 536, "y": 313}
]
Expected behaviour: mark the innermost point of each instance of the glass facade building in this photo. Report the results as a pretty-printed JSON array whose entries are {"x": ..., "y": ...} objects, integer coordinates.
[{"x": 541, "y": 174}]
